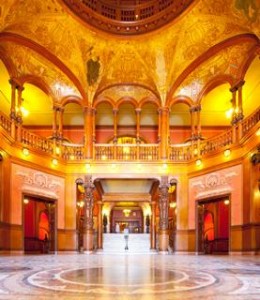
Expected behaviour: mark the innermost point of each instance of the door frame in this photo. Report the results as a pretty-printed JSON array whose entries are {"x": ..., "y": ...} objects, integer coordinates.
[
  {"x": 37, "y": 198},
  {"x": 215, "y": 198}
]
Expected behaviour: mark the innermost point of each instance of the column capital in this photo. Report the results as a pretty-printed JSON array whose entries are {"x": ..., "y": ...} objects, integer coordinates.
[
  {"x": 164, "y": 109},
  {"x": 138, "y": 110},
  {"x": 236, "y": 86},
  {"x": 195, "y": 108},
  {"x": 115, "y": 111},
  {"x": 14, "y": 82},
  {"x": 88, "y": 110}
]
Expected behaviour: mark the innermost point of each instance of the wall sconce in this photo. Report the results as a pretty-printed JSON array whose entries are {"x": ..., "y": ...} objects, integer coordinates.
[
  {"x": 57, "y": 150},
  {"x": 165, "y": 166},
  {"x": 198, "y": 162},
  {"x": 226, "y": 202},
  {"x": 25, "y": 201},
  {"x": 80, "y": 204},
  {"x": 55, "y": 162},
  {"x": 26, "y": 152},
  {"x": 173, "y": 204},
  {"x": 227, "y": 153}
]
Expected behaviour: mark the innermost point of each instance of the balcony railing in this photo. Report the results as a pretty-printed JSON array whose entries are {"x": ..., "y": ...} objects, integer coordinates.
[
  {"x": 5, "y": 123},
  {"x": 129, "y": 152}
]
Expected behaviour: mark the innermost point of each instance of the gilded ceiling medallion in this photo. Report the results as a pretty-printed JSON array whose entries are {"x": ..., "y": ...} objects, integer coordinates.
[{"x": 128, "y": 17}]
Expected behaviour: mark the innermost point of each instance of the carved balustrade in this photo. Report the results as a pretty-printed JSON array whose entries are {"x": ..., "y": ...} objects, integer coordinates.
[
  {"x": 5, "y": 123},
  {"x": 250, "y": 122},
  {"x": 216, "y": 143},
  {"x": 72, "y": 152},
  {"x": 36, "y": 142},
  {"x": 127, "y": 152},
  {"x": 131, "y": 152},
  {"x": 180, "y": 153}
]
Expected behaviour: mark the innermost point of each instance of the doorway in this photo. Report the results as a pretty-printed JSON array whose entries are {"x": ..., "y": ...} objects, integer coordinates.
[
  {"x": 39, "y": 216},
  {"x": 213, "y": 226}
]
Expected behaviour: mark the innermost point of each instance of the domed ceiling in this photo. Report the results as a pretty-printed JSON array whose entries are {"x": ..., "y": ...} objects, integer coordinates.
[{"x": 210, "y": 43}]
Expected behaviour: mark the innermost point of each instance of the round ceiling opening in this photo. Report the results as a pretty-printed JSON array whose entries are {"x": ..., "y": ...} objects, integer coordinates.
[{"x": 128, "y": 17}]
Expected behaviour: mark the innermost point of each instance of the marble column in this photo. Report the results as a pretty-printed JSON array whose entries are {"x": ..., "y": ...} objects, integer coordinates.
[
  {"x": 19, "y": 117},
  {"x": 240, "y": 115},
  {"x": 100, "y": 227},
  {"x": 88, "y": 135},
  {"x": 12, "y": 108},
  {"x": 164, "y": 214},
  {"x": 153, "y": 226},
  {"x": 234, "y": 114},
  {"x": 60, "y": 129},
  {"x": 164, "y": 133},
  {"x": 88, "y": 232}
]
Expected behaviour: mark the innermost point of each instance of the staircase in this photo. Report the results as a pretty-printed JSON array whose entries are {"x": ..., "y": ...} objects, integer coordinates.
[{"x": 138, "y": 243}]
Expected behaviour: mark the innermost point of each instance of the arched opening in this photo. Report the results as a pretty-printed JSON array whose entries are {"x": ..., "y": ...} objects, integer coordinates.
[
  {"x": 180, "y": 123},
  {"x": 149, "y": 123},
  {"x": 104, "y": 122},
  {"x": 215, "y": 114},
  {"x": 5, "y": 90},
  {"x": 250, "y": 90},
  {"x": 73, "y": 124}
]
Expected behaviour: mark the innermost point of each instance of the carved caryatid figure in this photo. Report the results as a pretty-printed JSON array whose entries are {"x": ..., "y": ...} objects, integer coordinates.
[
  {"x": 164, "y": 203},
  {"x": 89, "y": 202}
]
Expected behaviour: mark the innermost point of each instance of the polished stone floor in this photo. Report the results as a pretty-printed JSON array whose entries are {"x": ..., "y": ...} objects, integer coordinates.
[{"x": 129, "y": 276}]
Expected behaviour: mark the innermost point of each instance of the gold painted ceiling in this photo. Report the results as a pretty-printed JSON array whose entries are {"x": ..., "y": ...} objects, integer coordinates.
[{"x": 212, "y": 39}]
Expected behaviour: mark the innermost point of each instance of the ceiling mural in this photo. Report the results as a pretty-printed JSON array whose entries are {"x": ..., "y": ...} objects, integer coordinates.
[
  {"x": 225, "y": 62},
  {"x": 28, "y": 62},
  {"x": 140, "y": 66}
]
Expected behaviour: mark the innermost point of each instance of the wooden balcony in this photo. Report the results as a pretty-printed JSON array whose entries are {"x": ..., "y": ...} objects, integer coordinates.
[{"x": 129, "y": 152}]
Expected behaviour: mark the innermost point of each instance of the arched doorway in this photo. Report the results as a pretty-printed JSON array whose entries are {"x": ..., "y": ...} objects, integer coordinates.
[
  {"x": 39, "y": 225},
  {"x": 213, "y": 226}
]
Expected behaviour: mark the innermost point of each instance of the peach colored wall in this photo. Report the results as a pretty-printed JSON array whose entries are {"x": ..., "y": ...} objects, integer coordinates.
[
  {"x": 29, "y": 181},
  {"x": 222, "y": 182},
  {"x": 105, "y": 133}
]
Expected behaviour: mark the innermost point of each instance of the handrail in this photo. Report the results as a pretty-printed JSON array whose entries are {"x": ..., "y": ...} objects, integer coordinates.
[
  {"x": 5, "y": 123},
  {"x": 131, "y": 152},
  {"x": 36, "y": 141}
]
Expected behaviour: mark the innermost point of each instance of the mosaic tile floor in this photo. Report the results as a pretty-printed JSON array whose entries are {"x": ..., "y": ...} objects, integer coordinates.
[{"x": 126, "y": 276}]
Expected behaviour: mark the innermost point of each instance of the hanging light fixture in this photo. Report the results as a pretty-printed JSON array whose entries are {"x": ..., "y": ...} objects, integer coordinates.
[{"x": 127, "y": 212}]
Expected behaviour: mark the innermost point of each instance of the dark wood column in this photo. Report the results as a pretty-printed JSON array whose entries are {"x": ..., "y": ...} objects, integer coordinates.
[
  {"x": 88, "y": 219},
  {"x": 164, "y": 214}
]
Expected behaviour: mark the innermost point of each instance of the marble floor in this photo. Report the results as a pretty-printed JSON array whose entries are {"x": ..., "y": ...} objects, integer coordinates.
[{"x": 129, "y": 276}]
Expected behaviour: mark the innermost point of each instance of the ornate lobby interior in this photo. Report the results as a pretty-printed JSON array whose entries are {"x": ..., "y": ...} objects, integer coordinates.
[{"x": 129, "y": 149}]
